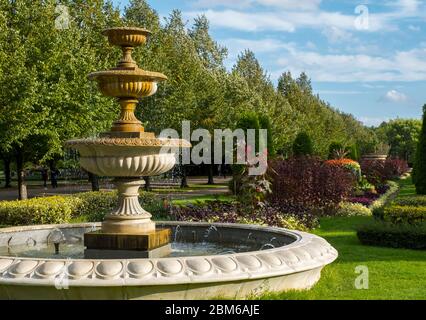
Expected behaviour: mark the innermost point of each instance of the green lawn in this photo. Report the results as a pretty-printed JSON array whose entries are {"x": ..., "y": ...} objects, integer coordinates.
[
  {"x": 198, "y": 199},
  {"x": 393, "y": 273}
]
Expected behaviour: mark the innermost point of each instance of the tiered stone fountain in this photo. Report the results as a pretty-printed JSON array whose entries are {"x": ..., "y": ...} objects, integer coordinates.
[
  {"x": 127, "y": 153},
  {"x": 126, "y": 256}
]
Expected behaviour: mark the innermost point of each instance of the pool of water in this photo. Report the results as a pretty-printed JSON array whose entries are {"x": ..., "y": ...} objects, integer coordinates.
[{"x": 76, "y": 250}]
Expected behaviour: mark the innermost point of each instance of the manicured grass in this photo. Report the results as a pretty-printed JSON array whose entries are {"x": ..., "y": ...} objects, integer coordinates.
[
  {"x": 393, "y": 273},
  {"x": 407, "y": 188},
  {"x": 201, "y": 199}
]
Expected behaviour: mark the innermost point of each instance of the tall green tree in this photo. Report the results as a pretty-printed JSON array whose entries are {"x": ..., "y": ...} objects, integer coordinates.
[{"x": 419, "y": 174}]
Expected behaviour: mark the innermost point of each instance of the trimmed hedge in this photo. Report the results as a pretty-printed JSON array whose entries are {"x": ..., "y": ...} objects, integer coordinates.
[
  {"x": 386, "y": 234},
  {"x": 404, "y": 214},
  {"x": 415, "y": 201},
  {"x": 61, "y": 209}
]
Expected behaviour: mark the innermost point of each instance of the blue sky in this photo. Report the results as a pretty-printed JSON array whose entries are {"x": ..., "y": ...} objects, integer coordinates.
[{"x": 366, "y": 57}]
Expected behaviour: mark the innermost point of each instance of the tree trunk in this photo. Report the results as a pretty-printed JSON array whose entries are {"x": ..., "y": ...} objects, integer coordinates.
[
  {"x": 211, "y": 173},
  {"x": 184, "y": 181},
  {"x": 7, "y": 174},
  {"x": 94, "y": 180},
  {"x": 147, "y": 183},
  {"x": 22, "y": 187}
]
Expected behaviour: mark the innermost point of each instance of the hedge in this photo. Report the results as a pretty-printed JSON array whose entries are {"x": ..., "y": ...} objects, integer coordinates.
[
  {"x": 404, "y": 214},
  {"x": 61, "y": 209},
  {"x": 386, "y": 234},
  {"x": 416, "y": 201}
]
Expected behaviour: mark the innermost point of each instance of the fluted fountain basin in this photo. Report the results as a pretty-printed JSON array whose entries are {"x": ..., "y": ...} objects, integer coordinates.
[
  {"x": 127, "y": 157},
  {"x": 207, "y": 261},
  {"x": 135, "y": 83}
]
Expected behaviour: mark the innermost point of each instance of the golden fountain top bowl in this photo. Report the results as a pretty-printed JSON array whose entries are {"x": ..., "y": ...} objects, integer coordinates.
[
  {"x": 136, "y": 83},
  {"x": 127, "y": 80},
  {"x": 127, "y": 36}
]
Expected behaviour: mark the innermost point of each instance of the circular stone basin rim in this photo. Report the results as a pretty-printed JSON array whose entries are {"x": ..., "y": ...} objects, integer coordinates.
[{"x": 306, "y": 252}]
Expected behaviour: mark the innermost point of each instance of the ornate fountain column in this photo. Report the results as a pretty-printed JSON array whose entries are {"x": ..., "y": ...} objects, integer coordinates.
[{"x": 127, "y": 153}]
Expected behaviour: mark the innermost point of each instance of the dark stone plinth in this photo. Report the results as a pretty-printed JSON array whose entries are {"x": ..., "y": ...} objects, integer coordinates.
[{"x": 99, "y": 240}]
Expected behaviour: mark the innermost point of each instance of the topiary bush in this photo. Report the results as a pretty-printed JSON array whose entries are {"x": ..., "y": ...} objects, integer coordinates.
[
  {"x": 49, "y": 210},
  {"x": 302, "y": 145},
  {"x": 417, "y": 201},
  {"x": 419, "y": 173},
  {"x": 404, "y": 214},
  {"x": 89, "y": 206},
  {"x": 378, "y": 233}
]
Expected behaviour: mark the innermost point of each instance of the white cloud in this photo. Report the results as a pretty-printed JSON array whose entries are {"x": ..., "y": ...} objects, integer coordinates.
[
  {"x": 372, "y": 121},
  {"x": 248, "y": 22},
  {"x": 240, "y": 4},
  {"x": 340, "y": 92},
  {"x": 289, "y": 15},
  {"x": 335, "y": 34},
  {"x": 414, "y": 28},
  {"x": 402, "y": 66},
  {"x": 395, "y": 96}
]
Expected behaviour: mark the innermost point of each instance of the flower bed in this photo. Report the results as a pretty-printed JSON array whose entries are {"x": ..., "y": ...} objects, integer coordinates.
[
  {"x": 370, "y": 207},
  {"x": 233, "y": 212}
]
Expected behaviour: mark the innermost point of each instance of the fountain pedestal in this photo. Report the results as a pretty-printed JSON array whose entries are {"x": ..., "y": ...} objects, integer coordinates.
[{"x": 129, "y": 230}]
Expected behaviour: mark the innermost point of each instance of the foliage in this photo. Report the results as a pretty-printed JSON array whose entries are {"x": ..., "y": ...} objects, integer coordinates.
[
  {"x": 416, "y": 200},
  {"x": 349, "y": 209},
  {"x": 378, "y": 172},
  {"x": 386, "y": 234},
  {"x": 352, "y": 166},
  {"x": 334, "y": 149},
  {"x": 419, "y": 173},
  {"x": 50, "y": 210},
  {"x": 401, "y": 135},
  {"x": 61, "y": 209},
  {"x": 404, "y": 214},
  {"x": 306, "y": 184},
  {"x": 302, "y": 145},
  {"x": 218, "y": 211}
]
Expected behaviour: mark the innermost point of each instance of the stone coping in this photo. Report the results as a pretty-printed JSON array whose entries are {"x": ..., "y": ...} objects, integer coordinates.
[
  {"x": 124, "y": 75},
  {"x": 306, "y": 253},
  {"x": 133, "y": 142}
]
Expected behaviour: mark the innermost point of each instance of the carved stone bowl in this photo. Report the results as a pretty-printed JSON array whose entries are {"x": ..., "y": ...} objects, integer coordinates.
[{"x": 127, "y": 157}]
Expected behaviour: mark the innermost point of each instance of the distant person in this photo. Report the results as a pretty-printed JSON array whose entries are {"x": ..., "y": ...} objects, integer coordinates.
[
  {"x": 54, "y": 178},
  {"x": 44, "y": 176}
]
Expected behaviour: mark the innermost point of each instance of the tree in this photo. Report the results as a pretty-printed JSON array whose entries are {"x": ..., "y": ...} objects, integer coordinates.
[
  {"x": 419, "y": 174},
  {"x": 402, "y": 136},
  {"x": 302, "y": 145}
]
